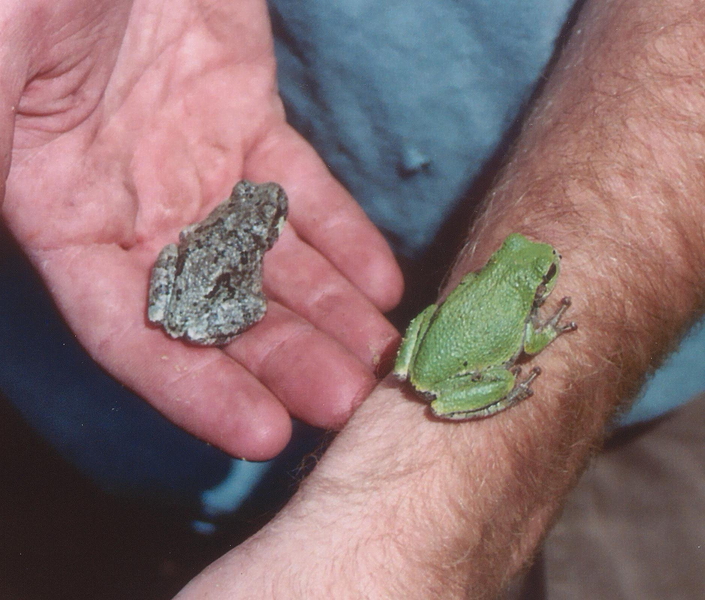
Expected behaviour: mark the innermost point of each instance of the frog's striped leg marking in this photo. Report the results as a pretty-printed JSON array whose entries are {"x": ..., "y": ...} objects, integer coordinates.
[{"x": 412, "y": 340}]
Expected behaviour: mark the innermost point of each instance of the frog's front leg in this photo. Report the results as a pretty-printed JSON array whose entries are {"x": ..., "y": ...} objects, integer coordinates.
[
  {"x": 539, "y": 335},
  {"x": 412, "y": 339}
]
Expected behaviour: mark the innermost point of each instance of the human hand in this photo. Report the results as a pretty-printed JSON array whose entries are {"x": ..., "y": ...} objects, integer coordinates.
[{"x": 133, "y": 119}]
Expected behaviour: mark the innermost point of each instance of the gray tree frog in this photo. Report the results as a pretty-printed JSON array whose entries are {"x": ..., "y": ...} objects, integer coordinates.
[
  {"x": 462, "y": 354},
  {"x": 208, "y": 288}
]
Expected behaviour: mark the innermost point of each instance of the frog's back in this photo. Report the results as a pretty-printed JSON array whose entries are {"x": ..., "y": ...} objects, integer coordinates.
[{"x": 475, "y": 328}]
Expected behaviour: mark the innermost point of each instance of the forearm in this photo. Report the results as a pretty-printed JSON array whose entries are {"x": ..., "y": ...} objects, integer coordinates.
[{"x": 608, "y": 171}]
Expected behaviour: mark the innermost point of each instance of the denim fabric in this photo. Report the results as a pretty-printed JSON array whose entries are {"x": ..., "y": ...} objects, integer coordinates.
[{"x": 405, "y": 100}]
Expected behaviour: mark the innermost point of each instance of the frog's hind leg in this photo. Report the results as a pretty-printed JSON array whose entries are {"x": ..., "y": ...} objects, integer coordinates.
[
  {"x": 473, "y": 395},
  {"x": 412, "y": 340},
  {"x": 473, "y": 401}
]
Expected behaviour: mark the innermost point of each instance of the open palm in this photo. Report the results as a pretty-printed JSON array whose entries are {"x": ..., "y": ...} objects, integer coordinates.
[{"x": 133, "y": 119}]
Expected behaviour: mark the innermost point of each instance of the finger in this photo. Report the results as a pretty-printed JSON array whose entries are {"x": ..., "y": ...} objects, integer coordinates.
[
  {"x": 326, "y": 216},
  {"x": 102, "y": 292},
  {"x": 316, "y": 378},
  {"x": 298, "y": 277}
]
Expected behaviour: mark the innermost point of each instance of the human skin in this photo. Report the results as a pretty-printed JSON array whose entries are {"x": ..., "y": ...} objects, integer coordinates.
[
  {"x": 609, "y": 170},
  {"x": 123, "y": 121}
]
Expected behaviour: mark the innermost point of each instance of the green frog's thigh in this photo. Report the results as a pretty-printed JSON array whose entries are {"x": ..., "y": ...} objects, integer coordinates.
[{"x": 472, "y": 396}]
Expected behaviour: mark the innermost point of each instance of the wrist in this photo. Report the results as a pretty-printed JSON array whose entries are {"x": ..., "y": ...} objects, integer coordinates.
[{"x": 433, "y": 508}]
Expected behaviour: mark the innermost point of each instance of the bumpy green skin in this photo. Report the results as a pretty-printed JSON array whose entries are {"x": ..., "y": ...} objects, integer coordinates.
[{"x": 461, "y": 355}]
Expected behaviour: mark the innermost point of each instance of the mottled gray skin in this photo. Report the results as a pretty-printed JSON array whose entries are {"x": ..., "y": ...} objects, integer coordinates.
[{"x": 208, "y": 288}]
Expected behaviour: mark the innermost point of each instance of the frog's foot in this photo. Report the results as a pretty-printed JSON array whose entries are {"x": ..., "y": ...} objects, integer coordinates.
[
  {"x": 522, "y": 389},
  {"x": 553, "y": 320}
]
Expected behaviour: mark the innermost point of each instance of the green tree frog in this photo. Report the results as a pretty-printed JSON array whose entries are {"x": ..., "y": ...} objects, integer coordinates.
[{"x": 461, "y": 355}]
